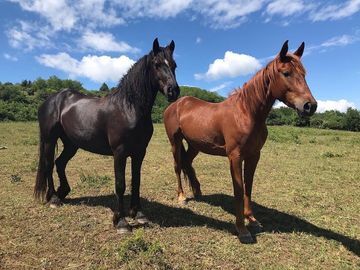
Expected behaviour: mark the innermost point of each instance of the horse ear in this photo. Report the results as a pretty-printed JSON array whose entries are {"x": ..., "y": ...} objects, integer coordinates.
[
  {"x": 299, "y": 52},
  {"x": 172, "y": 46},
  {"x": 156, "y": 46},
  {"x": 284, "y": 51}
]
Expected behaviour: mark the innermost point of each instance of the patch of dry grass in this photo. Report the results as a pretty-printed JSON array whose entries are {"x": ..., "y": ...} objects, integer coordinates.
[{"x": 306, "y": 192}]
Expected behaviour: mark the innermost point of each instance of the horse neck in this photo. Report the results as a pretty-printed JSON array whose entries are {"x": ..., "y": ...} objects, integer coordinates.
[
  {"x": 136, "y": 89},
  {"x": 255, "y": 96}
]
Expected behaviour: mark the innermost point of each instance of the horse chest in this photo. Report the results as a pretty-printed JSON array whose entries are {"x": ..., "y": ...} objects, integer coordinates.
[{"x": 255, "y": 141}]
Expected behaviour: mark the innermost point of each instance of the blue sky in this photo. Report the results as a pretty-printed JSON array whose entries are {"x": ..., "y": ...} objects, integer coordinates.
[{"x": 219, "y": 44}]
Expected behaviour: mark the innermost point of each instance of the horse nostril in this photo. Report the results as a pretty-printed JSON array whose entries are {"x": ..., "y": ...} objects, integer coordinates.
[
  {"x": 313, "y": 108},
  {"x": 174, "y": 91},
  {"x": 310, "y": 108},
  {"x": 307, "y": 107}
]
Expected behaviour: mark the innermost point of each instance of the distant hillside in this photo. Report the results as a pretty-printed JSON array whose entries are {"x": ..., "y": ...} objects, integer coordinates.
[
  {"x": 19, "y": 102},
  {"x": 161, "y": 102}
]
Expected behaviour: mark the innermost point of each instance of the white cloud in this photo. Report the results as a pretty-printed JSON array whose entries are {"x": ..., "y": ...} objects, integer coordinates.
[
  {"x": 10, "y": 57},
  {"x": 218, "y": 14},
  {"x": 95, "y": 68},
  {"x": 95, "y": 13},
  {"x": 67, "y": 15},
  {"x": 286, "y": 8},
  {"x": 198, "y": 40},
  {"x": 338, "y": 105},
  {"x": 29, "y": 36},
  {"x": 340, "y": 41},
  {"x": 152, "y": 8},
  {"x": 57, "y": 12},
  {"x": 226, "y": 13},
  {"x": 327, "y": 105},
  {"x": 89, "y": 14},
  {"x": 105, "y": 42},
  {"x": 335, "y": 12},
  {"x": 232, "y": 65},
  {"x": 220, "y": 87}
]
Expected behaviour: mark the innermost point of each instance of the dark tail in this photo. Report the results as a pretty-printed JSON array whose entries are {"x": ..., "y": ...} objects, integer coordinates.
[
  {"x": 48, "y": 117},
  {"x": 41, "y": 181}
]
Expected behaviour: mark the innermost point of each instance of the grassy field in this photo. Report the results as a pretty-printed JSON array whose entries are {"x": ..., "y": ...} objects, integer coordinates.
[{"x": 306, "y": 193}]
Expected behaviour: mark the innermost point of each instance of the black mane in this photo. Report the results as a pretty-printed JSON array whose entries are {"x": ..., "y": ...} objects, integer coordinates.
[{"x": 135, "y": 87}]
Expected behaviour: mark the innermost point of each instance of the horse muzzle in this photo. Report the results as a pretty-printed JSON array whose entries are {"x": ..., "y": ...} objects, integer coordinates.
[
  {"x": 308, "y": 109},
  {"x": 173, "y": 93}
]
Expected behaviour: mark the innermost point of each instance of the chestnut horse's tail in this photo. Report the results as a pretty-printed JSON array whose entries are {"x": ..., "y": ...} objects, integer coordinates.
[
  {"x": 183, "y": 158},
  {"x": 188, "y": 170}
]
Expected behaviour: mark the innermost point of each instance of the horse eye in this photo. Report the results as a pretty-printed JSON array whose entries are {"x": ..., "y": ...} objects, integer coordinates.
[{"x": 286, "y": 73}]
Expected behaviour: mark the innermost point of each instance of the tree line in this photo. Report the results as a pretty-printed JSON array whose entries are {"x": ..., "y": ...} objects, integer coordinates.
[{"x": 20, "y": 101}]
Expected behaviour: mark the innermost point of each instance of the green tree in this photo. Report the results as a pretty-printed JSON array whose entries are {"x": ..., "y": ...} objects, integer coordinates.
[
  {"x": 12, "y": 93},
  {"x": 39, "y": 84},
  {"x": 71, "y": 84},
  {"x": 54, "y": 83},
  {"x": 104, "y": 88},
  {"x": 352, "y": 120}
]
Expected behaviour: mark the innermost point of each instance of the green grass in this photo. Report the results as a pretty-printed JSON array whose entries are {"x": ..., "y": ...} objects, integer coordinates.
[{"x": 306, "y": 195}]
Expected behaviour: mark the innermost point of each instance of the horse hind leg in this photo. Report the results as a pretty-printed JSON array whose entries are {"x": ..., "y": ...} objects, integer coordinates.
[
  {"x": 68, "y": 152},
  {"x": 175, "y": 136},
  {"x": 49, "y": 150},
  {"x": 176, "y": 147}
]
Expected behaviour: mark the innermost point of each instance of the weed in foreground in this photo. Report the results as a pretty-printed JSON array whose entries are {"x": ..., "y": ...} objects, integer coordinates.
[
  {"x": 136, "y": 251},
  {"x": 330, "y": 155},
  {"x": 15, "y": 178},
  {"x": 95, "y": 181}
]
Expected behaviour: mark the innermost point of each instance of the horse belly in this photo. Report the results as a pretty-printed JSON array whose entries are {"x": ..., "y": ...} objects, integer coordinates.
[
  {"x": 200, "y": 133},
  {"x": 91, "y": 142},
  {"x": 212, "y": 146},
  {"x": 97, "y": 148}
]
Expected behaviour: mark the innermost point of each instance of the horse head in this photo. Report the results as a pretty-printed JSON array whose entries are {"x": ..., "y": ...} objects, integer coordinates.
[
  {"x": 163, "y": 70},
  {"x": 289, "y": 85}
]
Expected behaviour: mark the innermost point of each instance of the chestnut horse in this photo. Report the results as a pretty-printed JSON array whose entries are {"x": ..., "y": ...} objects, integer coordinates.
[
  {"x": 236, "y": 128},
  {"x": 117, "y": 125}
]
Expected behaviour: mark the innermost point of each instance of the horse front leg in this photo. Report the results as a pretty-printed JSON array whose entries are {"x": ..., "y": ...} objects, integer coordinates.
[
  {"x": 238, "y": 185},
  {"x": 119, "y": 214},
  {"x": 250, "y": 164},
  {"x": 135, "y": 205}
]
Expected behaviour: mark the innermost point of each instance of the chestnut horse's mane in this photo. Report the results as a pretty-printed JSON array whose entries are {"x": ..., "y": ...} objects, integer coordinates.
[{"x": 256, "y": 90}]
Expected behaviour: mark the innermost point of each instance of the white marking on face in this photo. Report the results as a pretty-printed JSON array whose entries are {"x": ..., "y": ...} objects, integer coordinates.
[{"x": 167, "y": 63}]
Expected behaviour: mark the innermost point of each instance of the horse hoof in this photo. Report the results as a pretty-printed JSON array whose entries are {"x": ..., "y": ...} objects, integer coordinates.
[
  {"x": 246, "y": 238},
  {"x": 122, "y": 227},
  {"x": 183, "y": 201},
  {"x": 55, "y": 202},
  {"x": 197, "y": 195},
  {"x": 62, "y": 192},
  {"x": 256, "y": 226},
  {"x": 141, "y": 218}
]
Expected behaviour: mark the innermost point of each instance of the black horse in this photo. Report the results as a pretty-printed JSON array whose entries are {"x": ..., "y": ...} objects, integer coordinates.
[{"x": 118, "y": 124}]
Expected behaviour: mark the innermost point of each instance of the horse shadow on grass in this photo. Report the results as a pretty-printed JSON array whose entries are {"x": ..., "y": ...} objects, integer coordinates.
[{"x": 273, "y": 221}]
